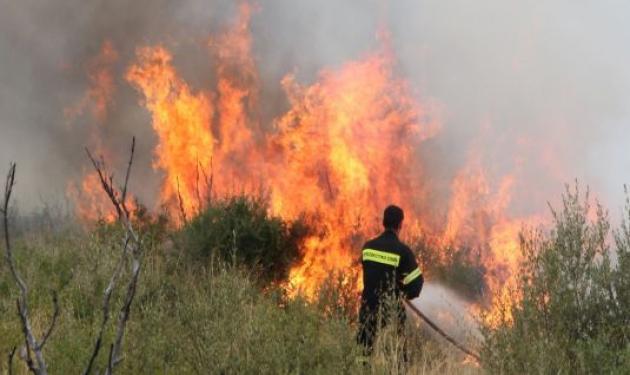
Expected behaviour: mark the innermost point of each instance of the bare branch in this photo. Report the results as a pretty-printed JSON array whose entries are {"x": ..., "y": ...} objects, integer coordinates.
[
  {"x": 210, "y": 184},
  {"x": 52, "y": 323},
  {"x": 197, "y": 191},
  {"x": 8, "y": 191},
  {"x": 97, "y": 348},
  {"x": 106, "y": 182},
  {"x": 125, "y": 311},
  {"x": 107, "y": 295},
  {"x": 27, "y": 346},
  {"x": 132, "y": 241},
  {"x": 180, "y": 200},
  {"x": 110, "y": 360},
  {"x": 10, "y": 360},
  {"x": 22, "y": 301},
  {"x": 124, "y": 189}
]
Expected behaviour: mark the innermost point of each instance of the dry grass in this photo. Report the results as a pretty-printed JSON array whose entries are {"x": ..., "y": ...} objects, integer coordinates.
[{"x": 189, "y": 318}]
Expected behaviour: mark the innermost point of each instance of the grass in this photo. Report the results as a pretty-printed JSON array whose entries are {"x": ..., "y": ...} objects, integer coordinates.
[
  {"x": 219, "y": 309},
  {"x": 191, "y": 315}
]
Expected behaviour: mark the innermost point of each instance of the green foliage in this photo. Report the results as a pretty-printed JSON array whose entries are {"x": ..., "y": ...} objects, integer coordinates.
[
  {"x": 240, "y": 230},
  {"x": 574, "y": 315},
  {"x": 459, "y": 268},
  {"x": 186, "y": 319}
]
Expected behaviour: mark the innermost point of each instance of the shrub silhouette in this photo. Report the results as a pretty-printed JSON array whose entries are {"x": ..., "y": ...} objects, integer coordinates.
[{"x": 239, "y": 229}]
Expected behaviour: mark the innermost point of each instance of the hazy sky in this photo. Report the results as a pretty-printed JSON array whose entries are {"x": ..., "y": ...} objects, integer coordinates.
[{"x": 541, "y": 88}]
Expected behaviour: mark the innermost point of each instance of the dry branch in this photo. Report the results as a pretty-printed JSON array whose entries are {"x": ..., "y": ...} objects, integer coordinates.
[
  {"x": 53, "y": 322},
  {"x": 131, "y": 246},
  {"x": 124, "y": 189},
  {"x": 31, "y": 344},
  {"x": 107, "y": 295},
  {"x": 180, "y": 201},
  {"x": 10, "y": 360}
]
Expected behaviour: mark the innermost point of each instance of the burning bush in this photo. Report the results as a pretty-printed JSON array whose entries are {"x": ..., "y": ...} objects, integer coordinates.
[
  {"x": 574, "y": 312},
  {"x": 239, "y": 229}
]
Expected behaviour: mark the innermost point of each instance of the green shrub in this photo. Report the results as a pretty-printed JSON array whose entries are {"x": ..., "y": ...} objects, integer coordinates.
[
  {"x": 574, "y": 313},
  {"x": 459, "y": 268},
  {"x": 240, "y": 230}
]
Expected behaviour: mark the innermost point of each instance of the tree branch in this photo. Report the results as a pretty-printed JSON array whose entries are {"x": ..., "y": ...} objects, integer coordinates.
[
  {"x": 22, "y": 301},
  {"x": 27, "y": 346},
  {"x": 180, "y": 200},
  {"x": 10, "y": 360},
  {"x": 125, "y": 311},
  {"x": 8, "y": 191},
  {"x": 124, "y": 189},
  {"x": 131, "y": 242},
  {"x": 53, "y": 322},
  {"x": 110, "y": 360},
  {"x": 107, "y": 295}
]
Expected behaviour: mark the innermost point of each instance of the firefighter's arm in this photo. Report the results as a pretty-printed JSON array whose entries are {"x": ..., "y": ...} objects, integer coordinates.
[{"x": 411, "y": 276}]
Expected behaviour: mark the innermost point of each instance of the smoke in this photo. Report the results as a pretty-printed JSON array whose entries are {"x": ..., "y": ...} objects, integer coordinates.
[
  {"x": 541, "y": 87},
  {"x": 448, "y": 311},
  {"x": 537, "y": 89}
]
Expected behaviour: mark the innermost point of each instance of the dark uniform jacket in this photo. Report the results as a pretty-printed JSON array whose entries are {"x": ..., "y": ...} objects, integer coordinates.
[{"x": 388, "y": 266}]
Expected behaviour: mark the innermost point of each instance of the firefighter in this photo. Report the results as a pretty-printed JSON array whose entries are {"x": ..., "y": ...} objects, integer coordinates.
[{"x": 389, "y": 270}]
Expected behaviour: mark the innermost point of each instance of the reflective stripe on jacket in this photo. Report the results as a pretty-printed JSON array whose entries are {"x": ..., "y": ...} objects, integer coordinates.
[{"x": 389, "y": 265}]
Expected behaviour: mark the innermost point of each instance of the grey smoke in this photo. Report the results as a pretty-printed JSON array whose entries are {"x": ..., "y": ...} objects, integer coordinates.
[
  {"x": 451, "y": 313},
  {"x": 541, "y": 88}
]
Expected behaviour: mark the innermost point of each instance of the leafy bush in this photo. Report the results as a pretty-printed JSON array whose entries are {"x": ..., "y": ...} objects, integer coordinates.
[
  {"x": 459, "y": 268},
  {"x": 574, "y": 313},
  {"x": 239, "y": 229}
]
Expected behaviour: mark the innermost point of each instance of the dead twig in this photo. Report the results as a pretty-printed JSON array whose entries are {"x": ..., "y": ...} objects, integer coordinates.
[
  {"x": 132, "y": 245},
  {"x": 27, "y": 346},
  {"x": 10, "y": 360},
  {"x": 54, "y": 320},
  {"x": 31, "y": 344},
  {"x": 110, "y": 360},
  {"x": 107, "y": 295},
  {"x": 180, "y": 201},
  {"x": 124, "y": 189},
  {"x": 208, "y": 181},
  {"x": 123, "y": 317},
  {"x": 197, "y": 191}
]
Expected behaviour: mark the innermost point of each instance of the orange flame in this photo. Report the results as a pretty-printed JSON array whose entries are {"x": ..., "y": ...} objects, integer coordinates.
[
  {"x": 182, "y": 122},
  {"x": 344, "y": 149},
  {"x": 347, "y": 142}
]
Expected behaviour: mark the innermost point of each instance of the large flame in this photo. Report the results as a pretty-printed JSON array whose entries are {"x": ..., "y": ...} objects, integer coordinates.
[
  {"x": 345, "y": 148},
  {"x": 347, "y": 142},
  {"x": 181, "y": 119}
]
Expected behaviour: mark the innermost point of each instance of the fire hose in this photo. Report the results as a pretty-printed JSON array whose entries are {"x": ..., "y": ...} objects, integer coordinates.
[{"x": 437, "y": 329}]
